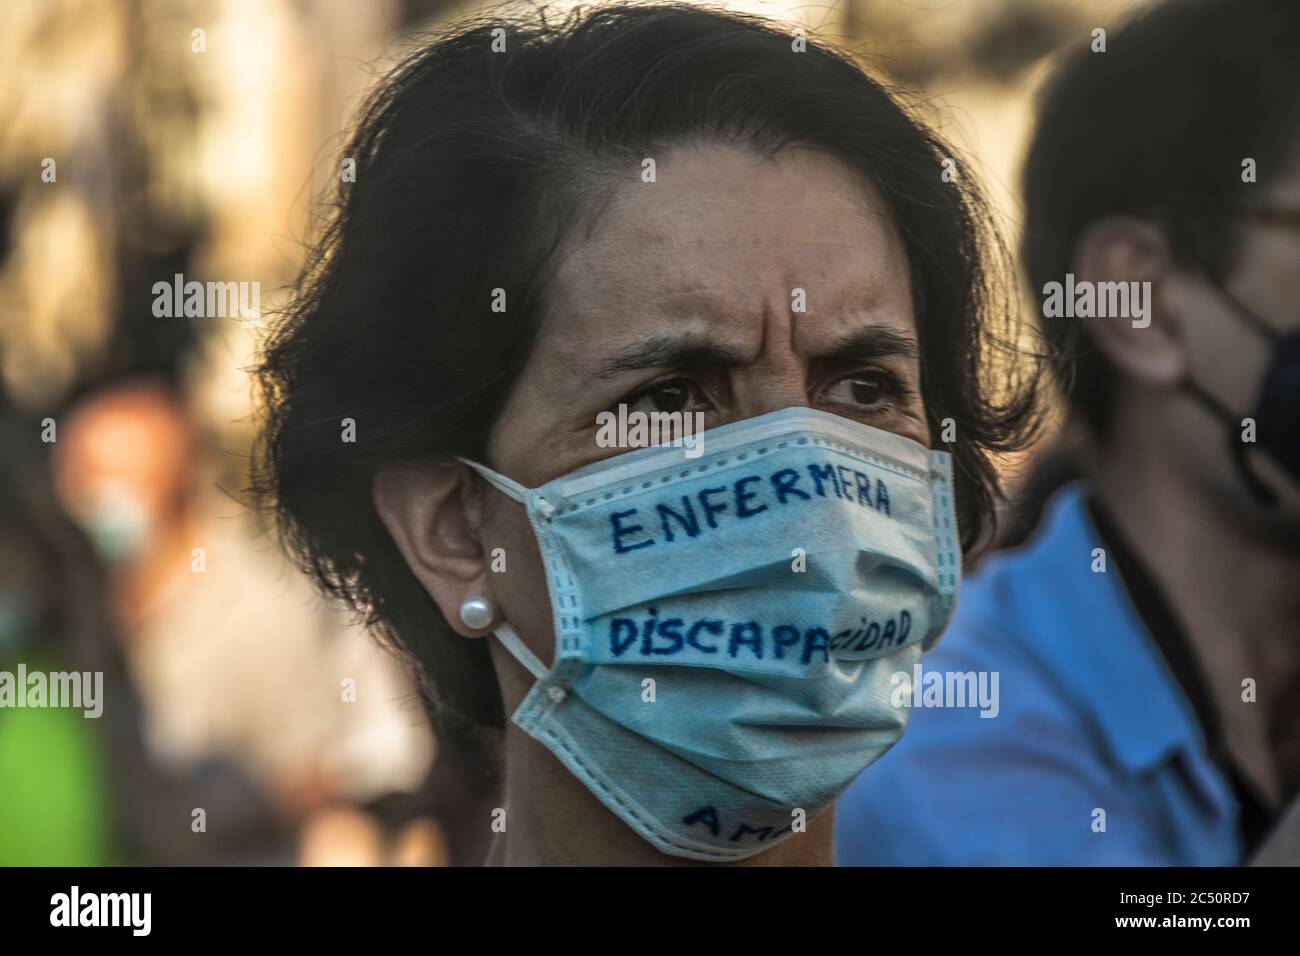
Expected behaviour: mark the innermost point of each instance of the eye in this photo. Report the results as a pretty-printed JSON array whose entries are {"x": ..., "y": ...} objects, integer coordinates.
[
  {"x": 870, "y": 388},
  {"x": 669, "y": 395}
]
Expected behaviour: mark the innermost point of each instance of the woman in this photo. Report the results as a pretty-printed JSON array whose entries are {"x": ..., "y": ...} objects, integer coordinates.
[{"x": 650, "y": 209}]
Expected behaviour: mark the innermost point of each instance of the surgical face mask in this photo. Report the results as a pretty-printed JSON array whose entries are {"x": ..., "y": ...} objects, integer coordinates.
[
  {"x": 727, "y": 626},
  {"x": 1276, "y": 411},
  {"x": 118, "y": 524}
]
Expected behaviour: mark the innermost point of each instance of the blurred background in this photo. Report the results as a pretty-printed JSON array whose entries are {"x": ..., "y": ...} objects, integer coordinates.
[{"x": 141, "y": 140}]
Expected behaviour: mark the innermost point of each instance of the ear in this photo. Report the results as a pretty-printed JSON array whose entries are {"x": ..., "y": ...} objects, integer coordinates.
[
  {"x": 1126, "y": 249},
  {"x": 433, "y": 514}
]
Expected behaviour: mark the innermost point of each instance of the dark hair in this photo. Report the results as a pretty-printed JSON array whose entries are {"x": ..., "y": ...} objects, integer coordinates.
[
  {"x": 1157, "y": 127},
  {"x": 471, "y": 165}
]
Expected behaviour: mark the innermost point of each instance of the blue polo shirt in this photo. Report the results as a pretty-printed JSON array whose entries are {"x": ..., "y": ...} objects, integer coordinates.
[{"x": 1095, "y": 755}]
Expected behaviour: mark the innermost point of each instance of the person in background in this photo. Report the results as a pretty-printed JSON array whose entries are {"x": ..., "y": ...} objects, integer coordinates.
[
  {"x": 252, "y": 700},
  {"x": 1147, "y": 637},
  {"x": 56, "y": 800},
  {"x": 79, "y": 790}
]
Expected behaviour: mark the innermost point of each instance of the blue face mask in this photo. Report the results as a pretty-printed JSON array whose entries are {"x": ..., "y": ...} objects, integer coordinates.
[
  {"x": 1277, "y": 407},
  {"x": 727, "y": 627}
]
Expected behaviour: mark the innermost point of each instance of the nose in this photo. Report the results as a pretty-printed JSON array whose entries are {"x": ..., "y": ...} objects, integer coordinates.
[
  {"x": 762, "y": 394},
  {"x": 776, "y": 379}
]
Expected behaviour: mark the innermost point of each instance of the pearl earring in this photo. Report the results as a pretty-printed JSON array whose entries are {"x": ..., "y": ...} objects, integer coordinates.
[{"x": 477, "y": 613}]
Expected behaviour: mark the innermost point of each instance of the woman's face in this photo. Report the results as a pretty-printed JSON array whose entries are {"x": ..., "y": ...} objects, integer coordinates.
[{"x": 681, "y": 299}]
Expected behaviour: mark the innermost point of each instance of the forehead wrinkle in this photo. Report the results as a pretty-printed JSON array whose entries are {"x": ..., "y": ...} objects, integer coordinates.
[
  {"x": 877, "y": 292},
  {"x": 812, "y": 338},
  {"x": 625, "y": 265},
  {"x": 579, "y": 353}
]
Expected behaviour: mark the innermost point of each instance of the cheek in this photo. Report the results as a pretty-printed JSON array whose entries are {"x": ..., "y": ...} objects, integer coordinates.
[
  {"x": 517, "y": 578},
  {"x": 1237, "y": 381}
]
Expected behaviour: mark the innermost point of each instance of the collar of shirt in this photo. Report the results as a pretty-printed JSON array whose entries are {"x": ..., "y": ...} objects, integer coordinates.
[
  {"x": 1174, "y": 645},
  {"x": 1102, "y": 654}
]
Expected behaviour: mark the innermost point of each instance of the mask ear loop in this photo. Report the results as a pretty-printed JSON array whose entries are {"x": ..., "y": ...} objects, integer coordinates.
[
  {"x": 1261, "y": 491},
  {"x": 506, "y": 634},
  {"x": 512, "y": 642},
  {"x": 1248, "y": 315},
  {"x": 1258, "y": 488},
  {"x": 507, "y": 486}
]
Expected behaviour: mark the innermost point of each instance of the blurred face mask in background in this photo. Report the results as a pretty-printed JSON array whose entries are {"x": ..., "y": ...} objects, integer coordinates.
[
  {"x": 727, "y": 626},
  {"x": 1276, "y": 411},
  {"x": 118, "y": 523}
]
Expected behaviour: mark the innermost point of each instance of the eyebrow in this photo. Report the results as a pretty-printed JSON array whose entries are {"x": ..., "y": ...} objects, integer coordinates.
[
  {"x": 692, "y": 350},
  {"x": 687, "y": 350},
  {"x": 875, "y": 341}
]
